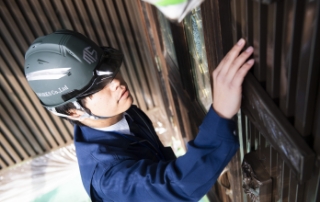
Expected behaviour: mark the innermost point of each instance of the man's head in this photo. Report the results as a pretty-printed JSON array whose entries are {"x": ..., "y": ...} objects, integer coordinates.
[{"x": 71, "y": 75}]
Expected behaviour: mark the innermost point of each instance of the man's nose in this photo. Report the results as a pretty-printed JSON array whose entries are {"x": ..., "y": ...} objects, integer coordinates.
[{"x": 115, "y": 83}]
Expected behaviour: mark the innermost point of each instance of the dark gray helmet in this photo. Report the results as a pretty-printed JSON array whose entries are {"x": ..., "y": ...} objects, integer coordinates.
[{"x": 66, "y": 66}]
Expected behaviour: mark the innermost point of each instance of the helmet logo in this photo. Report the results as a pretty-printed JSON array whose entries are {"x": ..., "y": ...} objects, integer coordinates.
[
  {"x": 53, "y": 92},
  {"x": 90, "y": 56}
]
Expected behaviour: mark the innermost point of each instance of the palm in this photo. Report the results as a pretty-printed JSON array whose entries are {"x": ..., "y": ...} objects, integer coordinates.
[{"x": 228, "y": 78}]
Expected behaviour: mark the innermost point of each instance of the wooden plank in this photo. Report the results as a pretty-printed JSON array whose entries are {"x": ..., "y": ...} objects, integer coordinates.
[
  {"x": 95, "y": 21},
  {"x": 178, "y": 121},
  {"x": 183, "y": 119},
  {"x": 13, "y": 141},
  {"x": 300, "y": 192},
  {"x": 309, "y": 71},
  {"x": 69, "y": 136},
  {"x": 260, "y": 145},
  {"x": 317, "y": 195},
  {"x": 86, "y": 22},
  {"x": 11, "y": 151},
  {"x": 244, "y": 135},
  {"x": 43, "y": 21},
  {"x": 312, "y": 188},
  {"x": 106, "y": 31},
  {"x": 11, "y": 47},
  {"x": 13, "y": 114},
  {"x": 53, "y": 13},
  {"x": 236, "y": 177},
  {"x": 62, "y": 15},
  {"x": 316, "y": 128},
  {"x": 184, "y": 60},
  {"x": 31, "y": 19},
  {"x": 209, "y": 35},
  {"x": 247, "y": 135},
  {"x": 18, "y": 135},
  {"x": 240, "y": 134},
  {"x": 6, "y": 20},
  {"x": 72, "y": 16},
  {"x": 255, "y": 142},
  {"x": 7, "y": 159},
  {"x": 265, "y": 154},
  {"x": 273, "y": 54},
  {"x": 273, "y": 172},
  {"x": 284, "y": 188},
  {"x": 236, "y": 19},
  {"x": 292, "y": 187},
  {"x": 155, "y": 44},
  {"x": 279, "y": 176},
  {"x": 3, "y": 165},
  {"x": 277, "y": 130},
  {"x": 291, "y": 41},
  {"x": 260, "y": 40},
  {"x": 16, "y": 13},
  {"x": 263, "y": 142},
  {"x": 194, "y": 109},
  {"x": 247, "y": 22}
]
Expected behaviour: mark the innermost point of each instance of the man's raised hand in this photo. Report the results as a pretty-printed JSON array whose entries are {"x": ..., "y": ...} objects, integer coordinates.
[{"x": 228, "y": 78}]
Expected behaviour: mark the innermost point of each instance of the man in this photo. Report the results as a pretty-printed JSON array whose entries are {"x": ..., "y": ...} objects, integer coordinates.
[{"x": 120, "y": 156}]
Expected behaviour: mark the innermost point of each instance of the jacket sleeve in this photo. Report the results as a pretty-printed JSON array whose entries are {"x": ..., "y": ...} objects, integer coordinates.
[{"x": 188, "y": 178}]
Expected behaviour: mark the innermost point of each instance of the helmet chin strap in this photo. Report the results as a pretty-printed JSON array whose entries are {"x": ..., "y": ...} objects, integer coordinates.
[{"x": 79, "y": 107}]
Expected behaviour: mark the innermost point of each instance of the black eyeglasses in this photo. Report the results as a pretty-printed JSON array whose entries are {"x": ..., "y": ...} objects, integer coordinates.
[{"x": 103, "y": 74}]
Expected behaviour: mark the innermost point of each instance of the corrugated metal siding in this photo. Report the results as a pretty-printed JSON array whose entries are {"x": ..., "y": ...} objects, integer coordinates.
[{"x": 27, "y": 129}]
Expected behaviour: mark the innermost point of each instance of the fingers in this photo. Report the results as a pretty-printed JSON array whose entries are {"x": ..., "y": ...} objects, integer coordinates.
[
  {"x": 228, "y": 78},
  {"x": 238, "y": 62},
  {"x": 233, "y": 68},
  {"x": 241, "y": 73},
  {"x": 231, "y": 56}
]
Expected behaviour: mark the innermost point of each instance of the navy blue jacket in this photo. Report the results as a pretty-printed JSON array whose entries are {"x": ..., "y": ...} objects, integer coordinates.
[{"x": 118, "y": 167}]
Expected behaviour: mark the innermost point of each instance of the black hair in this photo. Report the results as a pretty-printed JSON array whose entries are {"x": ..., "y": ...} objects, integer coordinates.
[{"x": 65, "y": 109}]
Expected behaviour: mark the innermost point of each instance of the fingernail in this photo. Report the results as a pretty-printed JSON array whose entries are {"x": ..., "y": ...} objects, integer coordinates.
[
  {"x": 240, "y": 42},
  {"x": 249, "y": 49},
  {"x": 250, "y": 62}
]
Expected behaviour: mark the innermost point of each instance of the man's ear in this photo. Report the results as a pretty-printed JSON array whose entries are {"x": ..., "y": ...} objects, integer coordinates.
[{"x": 75, "y": 114}]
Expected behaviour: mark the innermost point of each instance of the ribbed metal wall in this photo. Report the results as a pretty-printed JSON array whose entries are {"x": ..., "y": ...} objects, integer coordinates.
[{"x": 27, "y": 129}]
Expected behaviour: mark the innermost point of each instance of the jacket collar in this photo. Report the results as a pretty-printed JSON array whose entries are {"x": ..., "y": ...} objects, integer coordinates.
[{"x": 88, "y": 140}]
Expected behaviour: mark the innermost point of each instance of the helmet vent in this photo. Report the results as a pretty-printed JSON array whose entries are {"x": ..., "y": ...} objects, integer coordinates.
[
  {"x": 48, "y": 74},
  {"x": 42, "y": 61}
]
